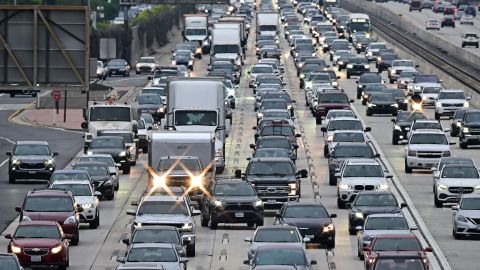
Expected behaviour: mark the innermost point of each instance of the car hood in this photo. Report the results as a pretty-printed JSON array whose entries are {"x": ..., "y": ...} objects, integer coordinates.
[
  {"x": 84, "y": 199},
  {"x": 110, "y": 151},
  {"x": 35, "y": 242},
  {"x": 95, "y": 126},
  {"x": 448, "y": 101},
  {"x": 458, "y": 182},
  {"x": 390, "y": 232},
  {"x": 307, "y": 222},
  {"x": 270, "y": 178},
  {"x": 469, "y": 213},
  {"x": 59, "y": 217},
  {"x": 32, "y": 158},
  {"x": 162, "y": 218},
  {"x": 196, "y": 128},
  {"x": 368, "y": 210},
  {"x": 404, "y": 68},
  {"x": 429, "y": 147},
  {"x": 384, "y": 102},
  {"x": 363, "y": 180},
  {"x": 236, "y": 199}
]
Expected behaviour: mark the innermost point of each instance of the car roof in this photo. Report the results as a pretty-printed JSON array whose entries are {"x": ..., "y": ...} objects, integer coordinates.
[
  {"x": 38, "y": 223},
  {"x": 156, "y": 245},
  {"x": 156, "y": 227},
  {"x": 352, "y": 144},
  {"x": 354, "y": 161},
  {"x": 271, "y": 159},
  {"x": 230, "y": 181},
  {"x": 91, "y": 163},
  {"x": 96, "y": 155},
  {"x": 71, "y": 182},
  {"x": 428, "y": 131},
  {"x": 49, "y": 192},
  {"x": 407, "y": 235},
  {"x": 32, "y": 142},
  {"x": 70, "y": 171}
]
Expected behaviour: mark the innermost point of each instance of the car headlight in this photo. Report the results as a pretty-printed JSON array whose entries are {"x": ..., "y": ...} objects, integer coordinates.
[
  {"x": 260, "y": 115},
  {"x": 70, "y": 220},
  {"x": 160, "y": 110},
  {"x": 89, "y": 152},
  {"x": 159, "y": 180},
  {"x": 367, "y": 66},
  {"x": 190, "y": 63},
  {"x": 187, "y": 226},
  {"x": 394, "y": 105},
  {"x": 359, "y": 45},
  {"x": 477, "y": 187},
  {"x": 15, "y": 249},
  {"x": 308, "y": 84},
  {"x": 383, "y": 186},
  {"x": 296, "y": 54},
  {"x": 328, "y": 228},
  {"x": 344, "y": 186},
  {"x": 329, "y": 138},
  {"x": 439, "y": 104},
  {"x": 442, "y": 187},
  {"x": 417, "y": 87},
  {"x": 465, "y": 130},
  {"x": 424, "y": 97},
  {"x": 371, "y": 104},
  {"x": 293, "y": 188},
  {"x": 412, "y": 153},
  {"x": 15, "y": 162},
  {"x": 197, "y": 181},
  {"x": 258, "y": 203},
  {"x": 446, "y": 154},
  {"x": 302, "y": 76},
  {"x": 359, "y": 215},
  {"x": 87, "y": 205},
  {"x": 466, "y": 104},
  {"x": 26, "y": 218},
  {"x": 205, "y": 43},
  {"x": 335, "y": 83},
  {"x": 397, "y": 127},
  {"x": 340, "y": 63},
  {"x": 325, "y": 45},
  {"x": 369, "y": 53},
  {"x": 49, "y": 162},
  {"x": 349, "y": 66},
  {"x": 314, "y": 54},
  {"x": 462, "y": 219},
  {"x": 57, "y": 249},
  {"x": 123, "y": 153},
  {"x": 218, "y": 203},
  {"x": 393, "y": 71}
]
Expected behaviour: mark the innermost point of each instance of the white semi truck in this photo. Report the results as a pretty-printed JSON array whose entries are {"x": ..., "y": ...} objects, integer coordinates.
[
  {"x": 196, "y": 29},
  {"x": 226, "y": 44}
]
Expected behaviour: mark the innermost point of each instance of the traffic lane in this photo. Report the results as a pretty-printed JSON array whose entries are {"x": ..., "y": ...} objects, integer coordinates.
[
  {"x": 66, "y": 143},
  {"x": 419, "y": 184}
]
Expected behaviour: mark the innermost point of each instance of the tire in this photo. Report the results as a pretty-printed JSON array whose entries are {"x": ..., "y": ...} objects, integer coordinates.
[
  {"x": 94, "y": 223},
  {"x": 126, "y": 169},
  {"x": 463, "y": 145},
  {"x": 341, "y": 204},
  {"x": 395, "y": 113},
  {"x": 391, "y": 81},
  {"x": 190, "y": 250},
  {"x": 75, "y": 240},
  {"x": 203, "y": 220},
  {"x": 12, "y": 95},
  {"x": 11, "y": 179},
  {"x": 438, "y": 203},
  {"x": 364, "y": 102},
  {"x": 110, "y": 197},
  {"x": 395, "y": 140},
  {"x": 369, "y": 113},
  {"x": 34, "y": 95},
  {"x": 332, "y": 181},
  {"x": 437, "y": 116},
  {"x": 62, "y": 267},
  {"x": 330, "y": 244},
  {"x": 351, "y": 231},
  {"x": 213, "y": 223},
  {"x": 318, "y": 121},
  {"x": 116, "y": 187},
  {"x": 455, "y": 234},
  {"x": 259, "y": 223},
  {"x": 359, "y": 95},
  {"x": 348, "y": 75},
  {"x": 250, "y": 224},
  {"x": 407, "y": 169}
]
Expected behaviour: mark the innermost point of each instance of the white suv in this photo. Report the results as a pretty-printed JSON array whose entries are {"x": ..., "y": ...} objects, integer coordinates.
[
  {"x": 398, "y": 66},
  {"x": 453, "y": 181},
  {"x": 449, "y": 101},
  {"x": 259, "y": 69},
  {"x": 357, "y": 175},
  {"x": 425, "y": 148}
]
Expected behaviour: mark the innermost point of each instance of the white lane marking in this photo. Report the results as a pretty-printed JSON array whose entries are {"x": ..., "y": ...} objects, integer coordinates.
[
  {"x": 3, "y": 162},
  {"x": 7, "y": 139},
  {"x": 11, "y": 107},
  {"x": 1, "y": 95}
]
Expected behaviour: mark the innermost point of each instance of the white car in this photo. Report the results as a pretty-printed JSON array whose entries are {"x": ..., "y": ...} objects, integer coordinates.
[
  {"x": 467, "y": 19},
  {"x": 425, "y": 148},
  {"x": 343, "y": 136},
  {"x": 466, "y": 218},
  {"x": 449, "y": 101},
  {"x": 336, "y": 113},
  {"x": 453, "y": 181},
  {"x": 146, "y": 64},
  {"x": 84, "y": 195},
  {"x": 470, "y": 39},
  {"x": 398, "y": 66},
  {"x": 432, "y": 25},
  {"x": 258, "y": 69},
  {"x": 343, "y": 123},
  {"x": 357, "y": 175},
  {"x": 429, "y": 95}
]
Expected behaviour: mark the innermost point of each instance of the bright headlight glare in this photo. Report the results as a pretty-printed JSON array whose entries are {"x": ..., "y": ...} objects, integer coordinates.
[
  {"x": 159, "y": 180},
  {"x": 330, "y": 138},
  {"x": 197, "y": 181},
  {"x": 466, "y": 104},
  {"x": 466, "y": 130},
  {"x": 344, "y": 186},
  {"x": 328, "y": 228},
  {"x": 15, "y": 161},
  {"x": 187, "y": 226},
  {"x": 367, "y": 66},
  {"x": 439, "y": 104},
  {"x": 359, "y": 215},
  {"x": 57, "y": 249},
  {"x": 70, "y": 220},
  {"x": 15, "y": 249},
  {"x": 349, "y": 66},
  {"x": 89, "y": 152},
  {"x": 383, "y": 186},
  {"x": 292, "y": 185},
  {"x": 442, "y": 187},
  {"x": 258, "y": 203},
  {"x": 218, "y": 203}
]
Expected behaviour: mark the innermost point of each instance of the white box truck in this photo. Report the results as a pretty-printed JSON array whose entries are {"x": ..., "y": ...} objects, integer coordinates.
[
  {"x": 267, "y": 23},
  {"x": 226, "y": 44},
  {"x": 196, "y": 29},
  {"x": 243, "y": 28},
  {"x": 178, "y": 158},
  {"x": 198, "y": 105}
]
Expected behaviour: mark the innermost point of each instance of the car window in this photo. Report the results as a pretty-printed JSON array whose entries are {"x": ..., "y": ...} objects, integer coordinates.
[
  {"x": 234, "y": 190},
  {"x": 280, "y": 257},
  {"x": 29, "y": 231},
  {"x": 93, "y": 170},
  {"x": 76, "y": 189},
  {"x": 69, "y": 176},
  {"x": 277, "y": 236},
  {"x": 386, "y": 223},
  {"x": 470, "y": 204},
  {"x": 31, "y": 149},
  {"x": 460, "y": 172},
  {"x": 152, "y": 254},
  {"x": 397, "y": 244},
  {"x": 363, "y": 171},
  {"x": 107, "y": 143},
  {"x": 271, "y": 168},
  {"x": 48, "y": 204},
  {"x": 8, "y": 263},
  {"x": 348, "y": 151},
  {"x": 306, "y": 211},
  {"x": 375, "y": 200},
  {"x": 345, "y": 125},
  {"x": 191, "y": 165},
  {"x": 348, "y": 137},
  {"x": 163, "y": 208},
  {"x": 155, "y": 236},
  {"x": 428, "y": 139},
  {"x": 106, "y": 160}
]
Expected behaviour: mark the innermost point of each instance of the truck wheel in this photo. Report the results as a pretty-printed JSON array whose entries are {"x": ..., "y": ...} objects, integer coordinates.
[
  {"x": 191, "y": 250},
  {"x": 203, "y": 220},
  {"x": 12, "y": 94},
  {"x": 332, "y": 181},
  {"x": 11, "y": 179},
  {"x": 259, "y": 223},
  {"x": 395, "y": 140},
  {"x": 463, "y": 145},
  {"x": 331, "y": 244},
  {"x": 407, "y": 169},
  {"x": 220, "y": 169},
  {"x": 95, "y": 223}
]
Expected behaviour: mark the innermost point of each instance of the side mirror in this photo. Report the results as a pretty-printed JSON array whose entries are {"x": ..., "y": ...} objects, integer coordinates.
[
  {"x": 97, "y": 193},
  {"x": 323, "y": 129},
  {"x": 113, "y": 173},
  {"x": 307, "y": 239},
  {"x": 368, "y": 129},
  {"x": 8, "y": 154},
  {"x": 252, "y": 146},
  {"x": 121, "y": 259},
  {"x": 303, "y": 173},
  {"x": 333, "y": 215},
  {"x": 247, "y": 239},
  {"x": 392, "y": 120},
  {"x": 298, "y": 135},
  {"x": 402, "y": 205},
  {"x": 126, "y": 241},
  {"x": 131, "y": 212},
  {"x": 337, "y": 175},
  {"x": 455, "y": 207},
  {"x": 8, "y": 236},
  {"x": 389, "y": 175},
  {"x": 84, "y": 125},
  {"x": 238, "y": 173},
  {"x": 359, "y": 228},
  {"x": 377, "y": 155},
  {"x": 54, "y": 154},
  {"x": 18, "y": 209}
]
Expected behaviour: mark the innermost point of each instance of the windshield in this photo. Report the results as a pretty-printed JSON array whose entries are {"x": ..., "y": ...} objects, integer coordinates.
[
  {"x": 280, "y": 257},
  {"x": 93, "y": 170},
  {"x": 234, "y": 190},
  {"x": 152, "y": 254},
  {"x": 382, "y": 98},
  {"x": 459, "y": 172},
  {"x": 127, "y": 137},
  {"x": 337, "y": 114},
  {"x": 375, "y": 200},
  {"x": 268, "y": 28},
  {"x": 304, "y": 47},
  {"x": 155, "y": 236},
  {"x": 378, "y": 46},
  {"x": 274, "y": 143},
  {"x": 345, "y": 125},
  {"x": 428, "y": 139},
  {"x": 470, "y": 204},
  {"x": 408, "y": 74},
  {"x": 226, "y": 49},
  {"x": 386, "y": 223},
  {"x": 389, "y": 57},
  {"x": 112, "y": 113},
  {"x": 277, "y": 236},
  {"x": 149, "y": 99},
  {"x": 285, "y": 97},
  {"x": 277, "y": 130},
  {"x": 472, "y": 117},
  {"x": 358, "y": 60},
  {"x": 363, "y": 171},
  {"x": 370, "y": 79},
  {"x": 348, "y": 151},
  {"x": 106, "y": 160},
  {"x": 426, "y": 79},
  {"x": 196, "y": 118},
  {"x": 31, "y": 149},
  {"x": 69, "y": 176},
  {"x": 191, "y": 165},
  {"x": 397, "y": 244},
  {"x": 451, "y": 95},
  {"x": 431, "y": 90},
  {"x": 399, "y": 264},
  {"x": 8, "y": 263},
  {"x": 157, "y": 91},
  {"x": 271, "y": 168},
  {"x": 274, "y": 104},
  {"x": 279, "y": 115},
  {"x": 278, "y": 152},
  {"x": 76, "y": 189},
  {"x": 267, "y": 70},
  {"x": 332, "y": 98},
  {"x": 348, "y": 137},
  {"x": 164, "y": 73},
  {"x": 195, "y": 32},
  {"x": 340, "y": 46},
  {"x": 306, "y": 211},
  {"x": 403, "y": 63},
  {"x": 37, "y": 231},
  {"x": 116, "y": 62},
  {"x": 147, "y": 60},
  {"x": 100, "y": 142},
  {"x": 163, "y": 208},
  {"x": 48, "y": 204},
  {"x": 427, "y": 126}
]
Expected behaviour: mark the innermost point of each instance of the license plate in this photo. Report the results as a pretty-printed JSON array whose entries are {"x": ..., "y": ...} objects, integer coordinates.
[
  {"x": 36, "y": 258},
  {"x": 311, "y": 236},
  {"x": 271, "y": 201},
  {"x": 239, "y": 215},
  {"x": 32, "y": 172}
]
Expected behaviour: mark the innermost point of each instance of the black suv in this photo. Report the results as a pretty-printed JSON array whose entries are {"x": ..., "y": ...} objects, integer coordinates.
[
  {"x": 114, "y": 146},
  {"x": 344, "y": 151},
  {"x": 281, "y": 142},
  {"x": 402, "y": 123},
  {"x": 276, "y": 180},
  {"x": 101, "y": 177},
  {"x": 365, "y": 79},
  {"x": 30, "y": 160},
  {"x": 231, "y": 201},
  {"x": 470, "y": 133},
  {"x": 371, "y": 202}
]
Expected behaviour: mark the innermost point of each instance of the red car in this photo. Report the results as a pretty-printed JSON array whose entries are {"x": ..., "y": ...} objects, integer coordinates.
[
  {"x": 53, "y": 205},
  {"x": 329, "y": 100},
  {"x": 39, "y": 243},
  {"x": 403, "y": 244}
]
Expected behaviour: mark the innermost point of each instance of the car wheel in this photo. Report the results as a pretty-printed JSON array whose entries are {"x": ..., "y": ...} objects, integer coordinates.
[
  {"x": 455, "y": 234},
  {"x": 331, "y": 244},
  {"x": 407, "y": 169},
  {"x": 75, "y": 240},
  {"x": 364, "y": 102},
  {"x": 94, "y": 223},
  {"x": 340, "y": 204},
  {"x": 12, "y": 95},
  {"x": 116, "y": 186},
  {"x": 438, "y": 203},
  {"x": 348, "y": 75},
  {"x": 11, "y": 179},
  {"x": 213, "y": 223},
  {"x": 250, "y": 224},
  {"x": 318, "y": 121},
  {"x": 332, "y": 181},
  {"x": 395, "y": 113},
  {"x": 391, "y": 81},
  {"x": 126, "y": 169},
  {"x": 463, "y": 145},
  {"x": 110, "y": 196},
  {"x": 395, "y": 140},
  {"x": 259, "y": 223},
  {"x": 34, "y": 94},
  {"x": 203, "y": 220},
  {"x": 369, "y": 113},
  {"x": 190, "y": 250},
  {"x": 437, "y": 116}
]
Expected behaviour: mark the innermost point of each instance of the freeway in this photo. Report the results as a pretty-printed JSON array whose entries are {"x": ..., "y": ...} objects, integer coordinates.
[{"x": 224, "y": 248}]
